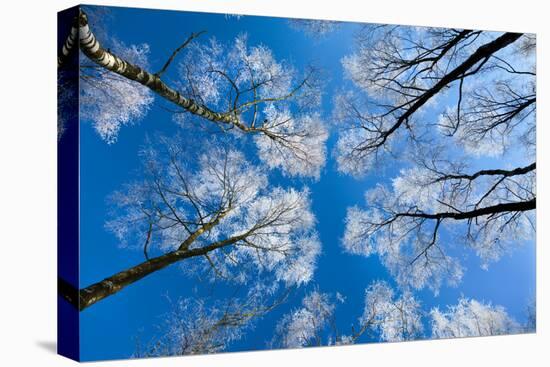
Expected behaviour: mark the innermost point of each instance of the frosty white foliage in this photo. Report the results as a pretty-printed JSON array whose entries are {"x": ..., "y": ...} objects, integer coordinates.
[
  {"x": 531, "y": 324},
  {"x": 274, "y": 77},
  {"x": 173, "y": 195},
  {"x": 249, "y": 83},
  {"x": 410, "y": 245},
  {"x": 472, "y": 318},
  {"x": 314, "y": 27},
  {"x": 362, "y": 127},
  {"x": 224, "y": 175},
  {"x": 420, "y": 186},
  {"x": 284, "y": 241},
  {"x": 397, "y": 245},
  {"x": 360, "y": 142},
  {"x": 393, "y": 67},
  {"x": 350, "y": 160},
  {"x": 296, "y": 145},
  {"x": 301, "y": 327},
  {"x": 198, "y": 67},
  {"x": 350, "y": 156},
  {"x": 527, "y": 47},
  {"x": 61, "y": 127},
  {"x": 201, "y": 326},
  {"x": 194, "y": 328},
  {"x": 394, "y": 318},
  {"x": 233, "y": 16},
  {"x": 210, "y": 72},
  {"x": 390, "y": 317},
  {"x": 224, "y": 198},
  {"x": 395, "y": 64},
  {"x": 368, "y": 67},
  {"x": 496, "y": 115},
  {"x": 494, "y": 236},
  {"x": 344, "y": 340},
  {"x": 111, "y": 101}
]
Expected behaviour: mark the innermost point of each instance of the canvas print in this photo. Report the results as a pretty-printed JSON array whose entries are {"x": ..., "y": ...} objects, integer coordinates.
[{"x": 236, "y": 183}]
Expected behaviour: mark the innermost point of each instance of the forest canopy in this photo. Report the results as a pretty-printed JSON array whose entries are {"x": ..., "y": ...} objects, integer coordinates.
[{"x": 316, "y": 183}]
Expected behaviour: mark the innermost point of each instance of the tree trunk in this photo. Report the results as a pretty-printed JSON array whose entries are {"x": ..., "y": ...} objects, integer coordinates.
[
  {"x": 68, "y": 45},
  {"x": 91, "y": 47},
  {"x": 109, "y": 286}
]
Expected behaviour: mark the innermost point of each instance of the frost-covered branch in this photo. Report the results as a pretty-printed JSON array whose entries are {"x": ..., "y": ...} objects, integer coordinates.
[
  {"x": 494, "y": 118},
  {"x": 203, "y": 326},
  {"x": 315, "y": 28},
  {"x": 404, "y": 71},
  {"x": 386, "y": 316},
  {"x": 482, "y": 86},
  {"x": 219, "y": 213},
  {"x": 490, "y": 211},
  {"x": 304, "y": 326},
  {"x": 390, "y": 317},
  {"x": 238, "y": 87},
  {"x": 472, "y": 318}
]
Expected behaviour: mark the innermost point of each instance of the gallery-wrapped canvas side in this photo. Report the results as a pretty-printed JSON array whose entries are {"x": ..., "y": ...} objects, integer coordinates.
[{"x": 68, "y": 186}]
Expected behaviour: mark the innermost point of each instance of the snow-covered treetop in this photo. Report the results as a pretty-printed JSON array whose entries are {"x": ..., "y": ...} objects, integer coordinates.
[
  {"x": 432, "y": 207},
  {"x": 389, "y": 317},
  {"x": 404, "y": 75},
  {"x": 268, "y": 98},
  {"x": 304, "y": 326},
  {"x": 222, "y": 203},
  {"x": 202, "y": 325},
  {"x": 385, "y": 315},
  {"x": 233, "y": 86},
  {"x": 296, "y": 145},
  {"x": 393, "y": 318},
  {"x": 315, "y": 28},
  {"x": 471, "y": 318}
]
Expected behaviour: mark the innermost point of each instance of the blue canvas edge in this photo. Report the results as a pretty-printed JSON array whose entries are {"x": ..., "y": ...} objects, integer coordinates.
[{"x": 68, "y": 340}]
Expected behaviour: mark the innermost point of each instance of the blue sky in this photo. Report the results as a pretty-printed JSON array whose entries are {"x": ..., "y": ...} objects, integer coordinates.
[{"x": 109, "y": 328}]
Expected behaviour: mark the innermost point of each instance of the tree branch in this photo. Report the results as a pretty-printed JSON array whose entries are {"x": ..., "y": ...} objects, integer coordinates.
[
  {"x": 169, "y": 61},
  {"x": 482, "y": 54},
  {"x": 520, "y": 206},
  {"x": 490, "y": 172},
  {"x": 91, "y": 47},
  {"x": 109, "y": 286}
]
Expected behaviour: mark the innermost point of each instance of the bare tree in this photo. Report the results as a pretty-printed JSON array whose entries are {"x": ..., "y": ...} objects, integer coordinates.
[
  {"x": 234, "y": 87},
  {"x": 219, "y": 213},
  {"x": 407, "y": 71},
  {"x": 412, "y": 225},
  {"x": 481, "y": 88}
]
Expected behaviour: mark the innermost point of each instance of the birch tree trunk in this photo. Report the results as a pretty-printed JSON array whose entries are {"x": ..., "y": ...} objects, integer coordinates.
[
  {"x": 68, "y": 46},
  {"x": 91, "y": 47}
]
